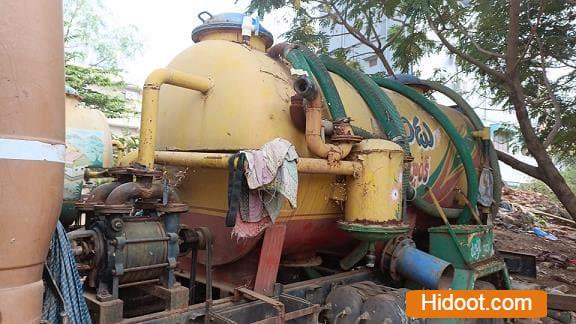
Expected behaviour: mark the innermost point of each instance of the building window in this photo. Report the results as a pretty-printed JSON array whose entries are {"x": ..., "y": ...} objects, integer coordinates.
[{"x": 372, "y": 61}]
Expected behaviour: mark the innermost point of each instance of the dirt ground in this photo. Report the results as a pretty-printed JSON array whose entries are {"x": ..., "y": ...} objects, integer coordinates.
[
  {"x": 522, "y": 214},
  {"x": 550, "y": 273}
]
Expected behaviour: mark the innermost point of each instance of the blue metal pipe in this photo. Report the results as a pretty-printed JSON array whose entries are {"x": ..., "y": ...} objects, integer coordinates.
[{"x": 421, "y": 267}]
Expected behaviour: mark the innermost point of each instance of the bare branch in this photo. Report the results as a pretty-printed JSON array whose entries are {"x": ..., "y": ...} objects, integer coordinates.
[
  {"x": 341, "y": 19},
  {"x": 464, "y": 30},
  {"x": 557, "y": 109},
  {"x": 553, "y": 99},
  {"x": 374, "y": 31},
  {"x": 70, "y": 23},
  {"x": 361, "y": 54},
  {"x": 315, "y": 17},
  {"x": 465, "y": 56},
  {"x": 520, "y": 166}
]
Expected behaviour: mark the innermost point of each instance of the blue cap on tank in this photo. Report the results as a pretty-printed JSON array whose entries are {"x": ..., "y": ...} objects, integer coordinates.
[{"x": 229, "y": 21}]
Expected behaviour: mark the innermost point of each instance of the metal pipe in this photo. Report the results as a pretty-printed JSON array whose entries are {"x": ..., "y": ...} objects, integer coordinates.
[
  {"x": 100, "y": 193},
  {"x": 148, "y": 267},
  {"x": 314, "y": 140},
  {"x": 80, "y": 233},
  {"x": 147, "y": 240},
  {"x": 297, "y": 112},
  {"x": 192, "y": 280},
  {"x": 203, "y": 160},
  {"x": 279, "y": 50},
  {"x": 423, "y": 268},
  {"x": 139, "y": 283},
  {"x": 127, "y": 191},
  {"x": 150, "y": 107},
  {"x": 89, "y": 173},
  {"x": 119, "y": 149},
  {"x": 316, "y": 144},
  {"x": 208, "y": 273}
]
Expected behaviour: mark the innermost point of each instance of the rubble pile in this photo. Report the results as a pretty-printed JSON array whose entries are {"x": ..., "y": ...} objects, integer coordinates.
[
  {"x": 532, "y": 223},
  {"x": 536, "y": 213}
]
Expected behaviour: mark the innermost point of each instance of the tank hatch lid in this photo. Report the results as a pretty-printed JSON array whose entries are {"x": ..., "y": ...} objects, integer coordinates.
[{"x": 229, "y": 21}]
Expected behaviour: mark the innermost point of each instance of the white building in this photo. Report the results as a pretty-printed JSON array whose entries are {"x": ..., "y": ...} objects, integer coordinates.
[{"x": 129, "y": 125}]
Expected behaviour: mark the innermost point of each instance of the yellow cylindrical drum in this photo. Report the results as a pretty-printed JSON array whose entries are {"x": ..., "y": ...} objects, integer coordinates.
[{"x": 375, "y": 195}]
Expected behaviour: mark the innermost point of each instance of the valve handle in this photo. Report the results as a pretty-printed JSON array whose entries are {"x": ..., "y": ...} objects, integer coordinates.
[{"x": 203, "y": 13}]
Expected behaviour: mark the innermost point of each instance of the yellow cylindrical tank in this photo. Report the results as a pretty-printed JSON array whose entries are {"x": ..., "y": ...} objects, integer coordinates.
[
  {"x": 249, "y": 105},
  {"x": 375, "y": 195}
]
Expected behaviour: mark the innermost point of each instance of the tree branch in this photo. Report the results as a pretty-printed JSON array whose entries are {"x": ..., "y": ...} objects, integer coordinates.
[
  {"x": 553, "y": 100},
  {"x": 512, "y": 40},
  {"x": 465, "y": 56},
  {"x": 523, "y": 167},
  {"x": 340, "y": 19},
  {"x": 464, "y": 30},
  {"x": 70, "y": 23}
]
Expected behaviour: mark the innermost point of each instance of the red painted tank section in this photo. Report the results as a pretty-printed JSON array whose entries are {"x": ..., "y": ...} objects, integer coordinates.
[{"x": 301, "y": 236}]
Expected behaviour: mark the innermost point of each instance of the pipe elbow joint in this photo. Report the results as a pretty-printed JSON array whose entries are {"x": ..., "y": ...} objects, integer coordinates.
[{"x": 305, "y": 87}]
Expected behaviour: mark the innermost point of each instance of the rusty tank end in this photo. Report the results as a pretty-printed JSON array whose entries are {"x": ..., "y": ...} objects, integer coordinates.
[{"x": 31, "y": 150}]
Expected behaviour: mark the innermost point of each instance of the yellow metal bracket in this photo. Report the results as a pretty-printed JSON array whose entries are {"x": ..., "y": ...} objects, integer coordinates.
[{"x": 483, "y": 134}]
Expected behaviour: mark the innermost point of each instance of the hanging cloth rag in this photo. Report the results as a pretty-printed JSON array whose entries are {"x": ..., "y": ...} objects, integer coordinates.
[{"x": 271, "y": 173}]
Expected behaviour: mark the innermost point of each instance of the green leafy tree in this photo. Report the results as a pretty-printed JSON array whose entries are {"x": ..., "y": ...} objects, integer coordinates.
[
  {"x": 358, "y": 18},
  {"x": 509, "y": 49},
  {"x": 94, "y": 52}
]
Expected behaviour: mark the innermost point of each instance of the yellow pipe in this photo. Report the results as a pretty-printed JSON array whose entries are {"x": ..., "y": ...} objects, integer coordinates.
[
  {"x": 333, "y": 153},
  {"x": 220, "y": 161},
  {"x": 150, "y": 98},
  {"x": 483, "y": 134},
  {"x": 438, "y": 207},
  {"x": 92, "y": 174},
  {"x": 119, "y": 148}
]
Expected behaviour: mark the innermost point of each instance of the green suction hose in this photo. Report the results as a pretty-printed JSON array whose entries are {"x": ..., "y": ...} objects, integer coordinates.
[
  {"x": 457, "y": 140},
  {"x": 381, "y": 106},
  {"x": 363, "y": 133},
  {"x": 302, "y": 58},
  {"x": 478, "y": 125},
  {"x": 388, "y": 117}
]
